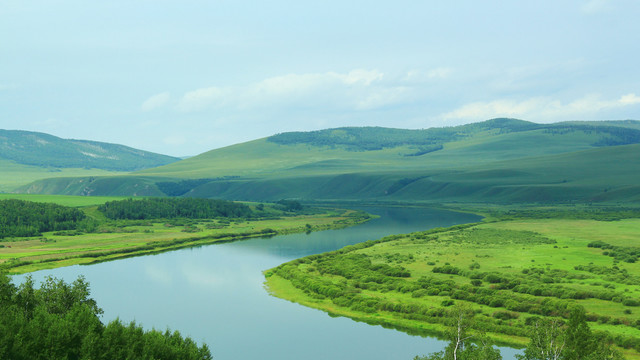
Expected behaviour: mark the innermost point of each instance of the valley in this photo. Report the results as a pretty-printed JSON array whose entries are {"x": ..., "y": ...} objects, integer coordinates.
[
  {"x": 496, "y": 161},
  {"x": 559, "y": 231}
]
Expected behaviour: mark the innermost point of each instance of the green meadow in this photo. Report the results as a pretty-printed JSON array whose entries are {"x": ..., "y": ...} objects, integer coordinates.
[
  {"x": 14, "y": 175},
  {"x": 510, "y": 271},
  {"x": 496, "y": 161},
  {"x": 65, "y": 200},
  {"x": 113, "y": 239}
]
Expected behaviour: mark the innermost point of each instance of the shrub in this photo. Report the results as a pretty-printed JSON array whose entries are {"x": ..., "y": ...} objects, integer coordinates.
[
  {"x": 630, "y": 302},
  {"x": 447, "y": 302}
]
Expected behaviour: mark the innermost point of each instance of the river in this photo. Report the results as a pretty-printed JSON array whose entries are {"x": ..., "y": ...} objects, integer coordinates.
[{"x": 215, "y": 294}]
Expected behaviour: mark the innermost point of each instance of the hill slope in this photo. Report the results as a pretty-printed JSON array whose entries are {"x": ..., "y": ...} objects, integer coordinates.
[
  {"x": 44, "y": 150},
  {"x": 500, "y": 160}
]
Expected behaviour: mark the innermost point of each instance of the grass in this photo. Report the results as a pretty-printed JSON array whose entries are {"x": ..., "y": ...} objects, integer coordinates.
[
  {"x": 65, "y": 200},
  {"x": 140, "y": 238},
  {"x": 478, "y": 163},
  {"x": 552, "y": 247},
  {"x": 15, "y": 175}
]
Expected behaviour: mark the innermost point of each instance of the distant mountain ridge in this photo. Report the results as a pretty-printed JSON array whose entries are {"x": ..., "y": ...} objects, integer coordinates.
[
  {"x": 45, "y": 150},
  {"x": 378, "y": 138},
  {"x": 498, "y": 160}
]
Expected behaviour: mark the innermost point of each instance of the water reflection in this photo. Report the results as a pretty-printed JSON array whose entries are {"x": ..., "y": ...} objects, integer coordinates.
[{"x": 215, "y": 294}]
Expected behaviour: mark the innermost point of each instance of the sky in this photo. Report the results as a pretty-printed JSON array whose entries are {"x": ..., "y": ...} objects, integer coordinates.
[{"x": 184, "y": 77}]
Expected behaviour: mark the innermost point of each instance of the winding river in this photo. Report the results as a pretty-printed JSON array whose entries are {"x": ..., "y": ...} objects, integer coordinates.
[{"x": 215, "y": 294}]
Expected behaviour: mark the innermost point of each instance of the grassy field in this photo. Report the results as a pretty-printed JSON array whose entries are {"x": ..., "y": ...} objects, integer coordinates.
[
  {"x": 510, "y": 272},
  {"x": 65, "y": 200},
  {"x": 499, "y": 161},
  {"x": 14, "y": 175},
  {"x": 126, "y": 238}
]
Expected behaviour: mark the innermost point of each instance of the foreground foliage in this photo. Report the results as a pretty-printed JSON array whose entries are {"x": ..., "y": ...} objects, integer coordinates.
[
  {"x": 551, "y": 339},
  {"x": 61, "y": 321},
  {"x": 463, "y": 342}
]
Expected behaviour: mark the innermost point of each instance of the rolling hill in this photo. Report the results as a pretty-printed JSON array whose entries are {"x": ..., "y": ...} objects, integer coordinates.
[
  {"x": 28, "y": 156},
  {"x": 44, "y": 150},
  {"x": 499, "y": 160}
]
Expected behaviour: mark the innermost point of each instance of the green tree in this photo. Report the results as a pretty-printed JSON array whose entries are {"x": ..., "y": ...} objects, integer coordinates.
[
  {"x": 553, "y": 340},
  {"x": 547, "y": 341},
  {"x": 461, "y": 346},
  {"x": 60, "y": 321},
  {"x": 578, "y": 337}
]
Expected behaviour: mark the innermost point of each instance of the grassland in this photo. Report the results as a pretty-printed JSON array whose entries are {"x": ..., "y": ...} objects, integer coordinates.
[
  {"x": 65, "y": 200},
  {"x": 126, "y": 238},
  {"x": 497, "y": 161},
  {"x": 509, "y": 271},
  {"x": 14, "y": 175}
]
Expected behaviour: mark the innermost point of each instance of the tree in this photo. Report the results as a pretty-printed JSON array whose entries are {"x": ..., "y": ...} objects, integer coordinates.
[
  {"x": 547, "y": 341},
  {"x": 579, "y": 340},
  {"x": 553, "y": 340},
  {"x": 60, "y": 321},
  {"x": 460, "y": 345}
]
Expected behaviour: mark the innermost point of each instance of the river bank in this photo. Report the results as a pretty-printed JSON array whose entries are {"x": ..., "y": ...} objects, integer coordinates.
[{"x": 58, "y": 249}]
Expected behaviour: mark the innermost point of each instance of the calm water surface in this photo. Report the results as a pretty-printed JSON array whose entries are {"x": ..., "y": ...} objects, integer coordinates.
[{"x": 215, "y": 294}]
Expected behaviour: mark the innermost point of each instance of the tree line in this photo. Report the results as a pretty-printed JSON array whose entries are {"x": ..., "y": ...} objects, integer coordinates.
[
  {"x": 170, "y": 208},
  {"x": 19, "y": 218},
  {"x": 60, "y": 321},
  {"x": 550, "y": 339}
]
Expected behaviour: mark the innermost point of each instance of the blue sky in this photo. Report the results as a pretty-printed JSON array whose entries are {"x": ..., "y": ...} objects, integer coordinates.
[{"x": 184, "y": 77}]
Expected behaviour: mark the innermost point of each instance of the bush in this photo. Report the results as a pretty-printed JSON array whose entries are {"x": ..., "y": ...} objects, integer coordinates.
[
  {"x": 492, "y": 278},
  {"x": 505, "y": 315},
  {"x": 630, "y": 302},
  {"x": 447, "y": 302}
]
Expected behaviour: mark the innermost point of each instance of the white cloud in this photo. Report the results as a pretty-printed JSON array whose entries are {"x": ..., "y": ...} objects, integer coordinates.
[
  {"x": 383, "y": 97},
  {"x": 497, "y": 108},
  {"x": 290, "y": 84},
  {"x": 541, "y": 108},
  {"x": 158, "y": 274},
  {"x": 629, "y": 99},
  {"x": 357, "y": 89},
  {"x": 194, "y": 275},
  {"x": 359, "y": 76},
  {"x": 155, "y": 101},
  {"x": 201, "y": 98}
]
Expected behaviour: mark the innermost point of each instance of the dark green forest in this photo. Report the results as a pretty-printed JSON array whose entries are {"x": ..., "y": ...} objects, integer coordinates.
[
  {"x": 60, "y": 321},
  {"x": 170, "y": 208},
  {"x": 19, "y": 218}
]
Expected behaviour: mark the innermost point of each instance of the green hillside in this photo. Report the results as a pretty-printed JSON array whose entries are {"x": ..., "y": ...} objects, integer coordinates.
[
  {"x": 44, "y": 150},
  {"x": 499, "y": 160},
  {"x": 13, "y": 175}
]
